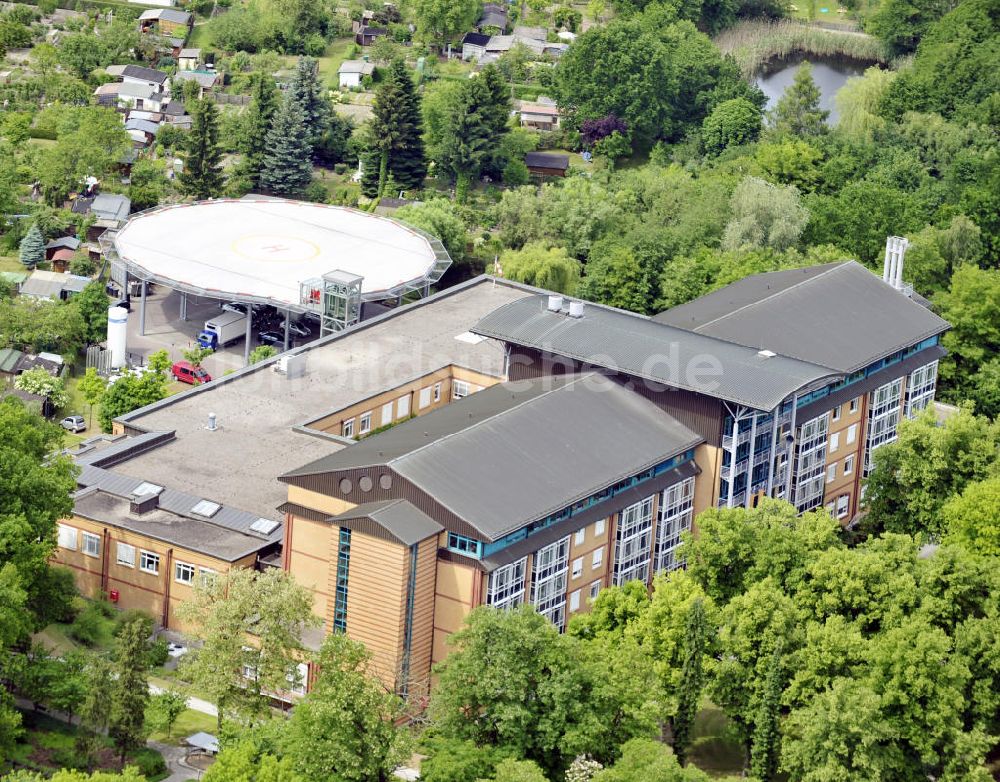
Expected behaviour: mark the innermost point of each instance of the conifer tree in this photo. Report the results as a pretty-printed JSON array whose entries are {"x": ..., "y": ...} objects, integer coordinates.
[
  {"x": 797, "y": 111},
  {"x": 95, "y": 709},
  {"x": 287, "y": 169},
  {"x": 32, "y": 249},
  {"x": 257, "y": 125},
  {"x": 129, "y": 689},
  {"x": 766, "y": 740},
  {"x": 202, "y": 174},
  {"x": 692, "y": 679},
  {"x": 396, "y": 131},
  {"x": 306, "y": 91}
]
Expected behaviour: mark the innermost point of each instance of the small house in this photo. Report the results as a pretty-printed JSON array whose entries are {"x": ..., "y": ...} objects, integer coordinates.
[
  {"x": 188, "y": 59},
  {"x": 366, "y": 35},
  {"x": 527, "y": 33},
  {"x": 142, "y": 131},
  {"x": 53, "y": 285},
  {"x": 70, "y": 243},
  {"x": 139, "y": 96},
  {"x": 206, "y": 80},
  {"x": 136, "y": 74},
  {"x": 166, "y": 21},
  {"x": 110, "y": 210},
  {"x": 474, "y": 46},
  {"x": 546, "y": 164},
  {"x": 351, "y": 72},
  {"x": 539, "y": 116},
  {"x": 494, "y": 16}
]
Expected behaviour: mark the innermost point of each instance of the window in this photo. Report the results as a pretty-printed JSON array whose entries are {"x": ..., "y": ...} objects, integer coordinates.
[
  {"x": 632, "y": 546},
  {"x": 849, "y": 465},
  {"x": 854, "y": 405},
  {"x": 67, "y": 537},
  {"x": 366, "y": 423},
  {"x": 883, "y": 418},
  {"x": 464, "y": 545},
  {"x": 403, "y": 406},
  {"x": 599, "y": 527},
  {"x": 577, "y": 567},
  {"x": 149, "y": 562},
  {"x": 506, "y": 585},
  {"x": 343, "y": 571},
  {"x": 597, "y": 558},
  {"x": 674, "y": 517},
  {"x": 297, "y": 678},
  {"x": 834, "y": 441},
  {"x": 206, "y": 576},
  {"x": 843, "y": 501},
  {"x": 459, "y": 389},
  {"x": 126, "y": 555},
  {"x": 810, "y": 463},
  {"x": 836, "y": 413},
  {"x": 91, "y": 544},
  {"x": 829, "y": 508},
  {"x": 548, "y": 581},
  {"x": 348, "y": 430},
  {"x": 852, "y": 433},
  {"x": 425, "y": 397},
  {"x": 581, "y": 536},
  {"x": 183, "y": 573},
  {"x": 386, "y": 414},
  {"x": 831, "y": 473},
  {"x": 437, "y": 392},
  {"x": 920, "y": 387},
  {"x": 574, "y": 600},
  {"x": 595, "y": 590}
]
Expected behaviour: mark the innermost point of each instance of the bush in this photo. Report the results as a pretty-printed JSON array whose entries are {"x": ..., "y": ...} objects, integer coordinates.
[
  {"x": 149, "y": 762},
  {"x": 83, "y": 267},
  {"x": 86, "y": 628},
  {"x": 127, "y": 617},
  {"x": 157, "y": 654}
]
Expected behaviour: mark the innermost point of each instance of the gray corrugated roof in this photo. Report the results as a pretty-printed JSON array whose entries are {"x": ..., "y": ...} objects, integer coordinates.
[
  {"x": 517, "y": 452},
  {"x": 644, "y": 348},
  {"x": 145, "y": 74},
  {"x": 844, "y": 316},
  {"x": 402, "y": 520},
  {"x": 111, "y": 206}
]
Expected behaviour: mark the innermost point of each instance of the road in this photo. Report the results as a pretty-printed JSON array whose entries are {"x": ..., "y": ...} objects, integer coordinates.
[{"x": 197, "y": 704}]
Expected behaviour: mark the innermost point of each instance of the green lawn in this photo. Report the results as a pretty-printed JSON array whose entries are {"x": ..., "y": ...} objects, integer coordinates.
[
  {"x": 189, "y": 722},
  {"x": 201, "y": 36},
  {"x": 10, "y": 263},
  {"x": 57, "y": 639},
  {"x": 338, "y": 51}
]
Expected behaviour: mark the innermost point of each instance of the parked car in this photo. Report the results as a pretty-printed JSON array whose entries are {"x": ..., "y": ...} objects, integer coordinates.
[
  {"x": 73, "y": 423},
  {"x": 296, "y": 327},
  {"x": 275, "y": 338},
  {"x": 186, "y": 373}
]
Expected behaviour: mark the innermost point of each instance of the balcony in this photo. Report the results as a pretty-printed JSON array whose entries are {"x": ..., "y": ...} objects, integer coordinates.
[{"x": 741, "y": 438}]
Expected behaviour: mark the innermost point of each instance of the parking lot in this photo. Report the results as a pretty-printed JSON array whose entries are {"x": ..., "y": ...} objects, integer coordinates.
[{"x": 166, "y": 329}]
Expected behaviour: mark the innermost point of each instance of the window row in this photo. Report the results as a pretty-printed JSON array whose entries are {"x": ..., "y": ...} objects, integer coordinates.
[{"x": 839, "y": 507}]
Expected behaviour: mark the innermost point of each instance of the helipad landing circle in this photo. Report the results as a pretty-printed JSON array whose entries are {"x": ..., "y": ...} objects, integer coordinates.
[
  {"x": 275, "y": 247},
  {"x": 274, "y": 251}
]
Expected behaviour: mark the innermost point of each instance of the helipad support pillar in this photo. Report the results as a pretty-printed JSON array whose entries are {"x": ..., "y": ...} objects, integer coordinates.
[
  {"x": 288, "y": 322},
  {"x": 246, "y": 347},
  {"x": 184, "y": 306},
  {"x": 142, "y": 311}
]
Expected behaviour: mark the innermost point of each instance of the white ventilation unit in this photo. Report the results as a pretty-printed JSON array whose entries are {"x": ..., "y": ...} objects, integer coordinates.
[
  {"x": 576, "y": 309},
  {"x": 264, "y": 526},
  {"x": 766, "y": 353},
  {"x": 555, "y": 303},
  {"x": 206, "y": 508}
]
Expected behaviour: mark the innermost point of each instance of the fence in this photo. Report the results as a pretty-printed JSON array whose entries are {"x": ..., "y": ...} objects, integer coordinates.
[{"x": 224, "y": 97}]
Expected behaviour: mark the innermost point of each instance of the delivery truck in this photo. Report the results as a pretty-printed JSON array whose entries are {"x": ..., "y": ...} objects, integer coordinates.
[{"x": 224, "y": 328}]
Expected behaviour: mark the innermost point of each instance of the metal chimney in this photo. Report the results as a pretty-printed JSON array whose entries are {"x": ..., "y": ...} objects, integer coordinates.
[
  {"x": 892, "y": 268},
  {"x": 211, "y": 423}
]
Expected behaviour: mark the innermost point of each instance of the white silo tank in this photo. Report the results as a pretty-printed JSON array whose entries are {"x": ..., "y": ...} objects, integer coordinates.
[{"x": 117, "y": 329}]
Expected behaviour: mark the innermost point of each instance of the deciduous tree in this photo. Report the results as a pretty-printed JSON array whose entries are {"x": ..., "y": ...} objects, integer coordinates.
[{"x": 543, "y": 266}]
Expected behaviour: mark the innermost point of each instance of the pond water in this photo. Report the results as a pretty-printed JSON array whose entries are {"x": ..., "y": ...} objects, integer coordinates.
[{"x": 829, "y": 73}]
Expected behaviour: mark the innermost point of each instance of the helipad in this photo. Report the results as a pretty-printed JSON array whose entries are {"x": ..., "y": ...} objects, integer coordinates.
[{"x": 264, "y": 250}]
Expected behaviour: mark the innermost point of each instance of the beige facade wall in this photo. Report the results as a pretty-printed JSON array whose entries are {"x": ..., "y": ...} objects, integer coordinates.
[
  {"x": 317, "y": 501},
  {"x": 457, "y": 591},
  {"x": 582, "y": 552},
  {"x": 158, "y": 594},
  {"x": 310, "y": 555},
  {"x": 401, "y": 402},
  {"x": 422, "y": 621},
  {"x": 706, "y": 484},
  {"x": 839, "y": 452}
]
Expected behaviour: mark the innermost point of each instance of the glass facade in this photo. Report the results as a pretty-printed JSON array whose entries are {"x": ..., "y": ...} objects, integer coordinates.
[
  {"x": 883, "y": 418},
  {"x": 633, "y": 541},
  {"x": 340, "y": 598},
  {"x": 548, "y": 581},
  {"x": 810, "y": 463},
  {"x": 506, "y": 585},
  {"x": 674, "y": 516},
  {"x": 920, "y": 387}
]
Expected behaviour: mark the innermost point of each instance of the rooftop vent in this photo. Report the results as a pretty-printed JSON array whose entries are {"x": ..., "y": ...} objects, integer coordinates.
[
  {"x": 206, "y": 508},
  {"x": 145, "y": 498},
  {"x": 555, "y": 303},
  {"x": 576, "y": 309},
  {"x": 145, "y": 488},
  {"x": 766, "y": 353}
]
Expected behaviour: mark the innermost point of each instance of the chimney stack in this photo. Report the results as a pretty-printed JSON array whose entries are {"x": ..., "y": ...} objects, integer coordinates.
[{"x": 892, "y": 268}]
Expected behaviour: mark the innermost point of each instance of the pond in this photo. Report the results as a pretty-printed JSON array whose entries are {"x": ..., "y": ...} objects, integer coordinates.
[{"x": 829, "y": 73}]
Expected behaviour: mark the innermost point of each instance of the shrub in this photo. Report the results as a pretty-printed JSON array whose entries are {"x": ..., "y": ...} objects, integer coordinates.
[
  {"x": 127, "y": 617},
  {"x": 83, "y": 267},
  {"x": 149, "y": 762},
  {"x": 157, "y": 654},
  {"x": 86, "y": 628}
]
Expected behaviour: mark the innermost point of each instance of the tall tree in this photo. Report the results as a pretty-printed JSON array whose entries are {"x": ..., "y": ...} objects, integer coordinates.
[
  {"x": 129, "y": 689},
  {"x": 345, "y": 727},
  {"x": 96, "y": 709},
  {"x": 764, "y": 215},
  {"x": 130, "y": 393},
  {"x": 250, "y": 625},
  {"x": 765, "y": 749},
  {"x": 202, "y": 175},
  {"x": 32, "y": 249},
  {"x": 287, "y": 169},
  {"x": 797, "y": 111},
  {"x": 396, "y": 130},
  {"x": 93, "y": 302},
  {"x": 692, "y": 679},
  {"x": 91, "y": 387},
  {"x": 306, "y": 91},
  {"x": 253, "y": 141},
  {"x": 439, "y": 20}
]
